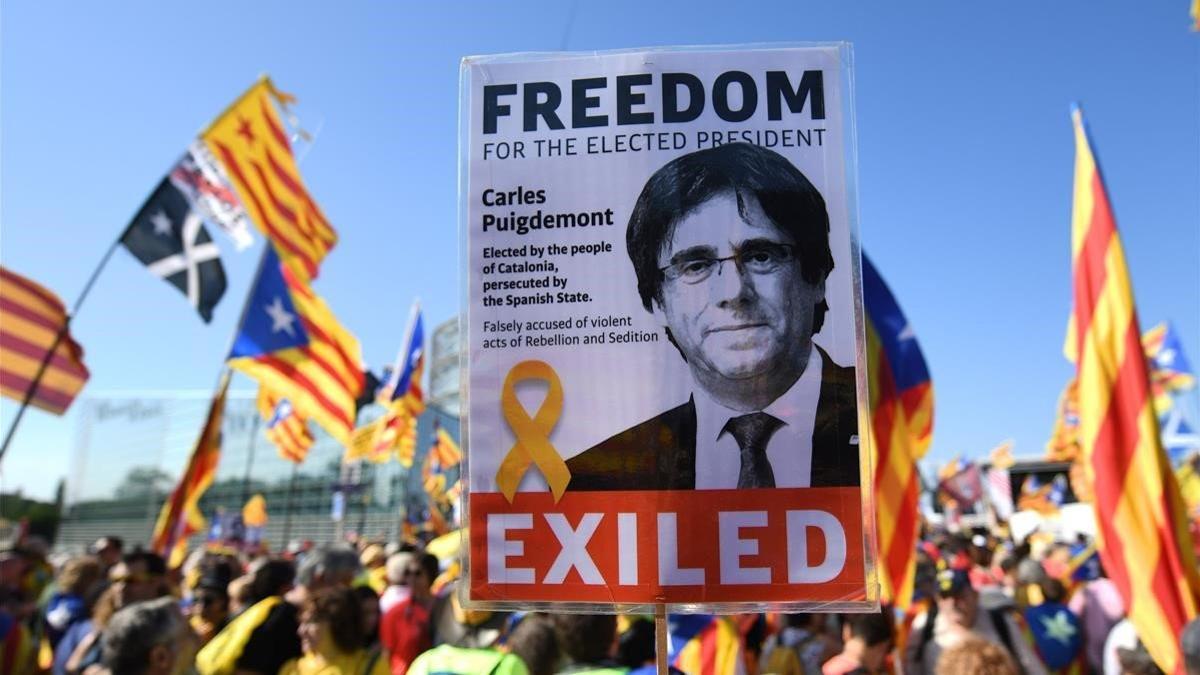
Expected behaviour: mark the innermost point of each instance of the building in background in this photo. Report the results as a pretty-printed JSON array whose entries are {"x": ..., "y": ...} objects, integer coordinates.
[{"x": 130, "y": 449}]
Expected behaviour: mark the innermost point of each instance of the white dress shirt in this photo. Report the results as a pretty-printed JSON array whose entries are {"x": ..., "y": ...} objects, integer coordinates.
[{"x": 718, "y": 457}]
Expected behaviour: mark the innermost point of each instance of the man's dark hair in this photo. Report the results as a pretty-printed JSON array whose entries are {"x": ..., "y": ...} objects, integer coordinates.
[
  {"x": 682, "y": 185},
  {"x": 874, "y": 629},
  {"x": 534, "y": 642},
  {"x": 429, "y": 564},
  {"x": 585, "y": 638},
  {"x": 155, "y": 565},
  {"x": 270, "y": 577}
]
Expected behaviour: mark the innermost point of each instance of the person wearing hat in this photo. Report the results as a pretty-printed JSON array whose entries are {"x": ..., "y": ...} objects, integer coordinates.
[
  {"x": 210, "y": 602},
  {"x": 958, "y": 615},
  {"x": 374, "y": 561}
]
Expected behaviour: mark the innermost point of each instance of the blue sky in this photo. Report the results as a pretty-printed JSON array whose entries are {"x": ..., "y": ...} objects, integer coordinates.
[{"x": 965, "y": 161}]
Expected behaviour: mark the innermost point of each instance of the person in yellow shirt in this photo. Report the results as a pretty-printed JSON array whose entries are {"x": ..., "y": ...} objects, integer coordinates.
[{"x": 331, "y": 635}]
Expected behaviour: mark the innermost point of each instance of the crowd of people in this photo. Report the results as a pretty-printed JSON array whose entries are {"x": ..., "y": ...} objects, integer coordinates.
[{"x": 980, "y": 605}]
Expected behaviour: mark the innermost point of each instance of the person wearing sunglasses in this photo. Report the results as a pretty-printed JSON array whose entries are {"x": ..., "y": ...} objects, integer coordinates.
[
  {"x": 405, "y": 630},
  {"x": 730, "y": 246}
]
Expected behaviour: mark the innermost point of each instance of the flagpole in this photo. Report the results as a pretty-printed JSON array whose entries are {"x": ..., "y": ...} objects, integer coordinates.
[
  {"x": 250, "y": 456},
  {"x": 58, "y": 338},
  {"x": 287, "y": 515}
]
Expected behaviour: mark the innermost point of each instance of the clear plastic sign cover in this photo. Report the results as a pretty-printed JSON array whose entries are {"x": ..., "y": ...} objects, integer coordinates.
[{"x": 665, "y": 376}]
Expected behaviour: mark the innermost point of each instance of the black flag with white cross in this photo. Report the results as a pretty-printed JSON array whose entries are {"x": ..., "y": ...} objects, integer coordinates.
[{"x": 169, "y": 236}]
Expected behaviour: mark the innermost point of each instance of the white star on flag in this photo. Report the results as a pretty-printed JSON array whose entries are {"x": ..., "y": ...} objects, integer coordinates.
[
  {"x": 1059, "y": 628},
  {"x": 189, "y": 259},
  {"x": 162, "y": 224},
  {"x": 281, "y": 319}
]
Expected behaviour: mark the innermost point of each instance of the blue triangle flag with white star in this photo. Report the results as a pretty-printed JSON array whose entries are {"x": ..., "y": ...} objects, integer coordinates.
[{"x": 270, "y": 322}]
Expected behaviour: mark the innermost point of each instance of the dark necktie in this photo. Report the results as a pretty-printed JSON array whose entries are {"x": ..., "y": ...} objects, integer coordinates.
[{"x": 752, "y": 433}]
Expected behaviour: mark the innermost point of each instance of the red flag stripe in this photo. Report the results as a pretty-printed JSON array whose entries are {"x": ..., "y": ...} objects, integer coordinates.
[
  {"x": 276, "y": 235},
  {"x": 47, "y": 297},
  {"x": 10, "y": 306},
  {"x": 52, "y": 397},
  {"x": 268, "y": 114},
  {"x": 1091, "y": 273},
  {"x": 326, "y": 231},
  {"x": 291, "y": 372},
  {"x": 282, "y": 209},
  {"x": 60, "y": 360}
]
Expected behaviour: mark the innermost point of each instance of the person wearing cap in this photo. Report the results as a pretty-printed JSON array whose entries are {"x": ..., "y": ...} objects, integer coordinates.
[
  {"x": 397, "y": 589},
  {"x": 956, "y": 616},
  {"x": 210, "y": 602},
  {"x": 374, "y": 561}
]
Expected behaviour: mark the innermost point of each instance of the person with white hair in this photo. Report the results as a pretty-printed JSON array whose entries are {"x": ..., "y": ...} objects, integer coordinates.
[{"x": 148, "y": 638}]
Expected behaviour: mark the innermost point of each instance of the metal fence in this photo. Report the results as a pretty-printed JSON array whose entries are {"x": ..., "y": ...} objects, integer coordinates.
[{"x": 131, "y": 448}]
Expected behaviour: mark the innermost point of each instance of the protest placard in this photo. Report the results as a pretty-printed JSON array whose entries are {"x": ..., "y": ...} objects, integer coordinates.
[{"x": 665, "y": 371}]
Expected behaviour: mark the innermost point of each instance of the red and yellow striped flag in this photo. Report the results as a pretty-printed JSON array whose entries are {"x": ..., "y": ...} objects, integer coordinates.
[
  {"x": 180, "y": 516},
  {"x": 250, "y": 141},
  {"x": 31, "y": 321},
  {"x": 901, "y": 431},
  {"x": 1142, "y": 531},
  {"x": 286, "y": 428}
]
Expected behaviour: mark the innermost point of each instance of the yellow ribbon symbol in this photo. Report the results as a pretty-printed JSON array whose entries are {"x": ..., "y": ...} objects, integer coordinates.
[{"x": 533, "y": 433}]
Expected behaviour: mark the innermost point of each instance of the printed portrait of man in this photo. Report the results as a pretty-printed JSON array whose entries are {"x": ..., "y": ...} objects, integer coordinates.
[{"x": 731, "y": 250}]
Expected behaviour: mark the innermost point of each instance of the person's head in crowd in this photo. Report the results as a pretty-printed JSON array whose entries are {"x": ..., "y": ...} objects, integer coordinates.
[
  {"x": 635, "y": 647},
  {"x": 328, "y": 567},
  {"x": 1189, "y": 643},
  {"x": 867, "y": 639},
  {"x": 1053, "y": 590},
  {"x": 585, "y": 638},
  {"x": 12, "y": 567},
  {"x": 147, "y": 638},
  {"x": 141, "y": 575},
  {"x": 80, "y": 576},
  {"x": 270, "y": 577},
  {"x": 534, "y": 642},
  {"x": 331, "y": 622},
  {"x": 372, "y": 556},
  {"x": 419, "y": 574},
  {"x": 957, "y": 600},
  {"x": 369, "y": 603},
  {"x": 211, "y": 594},
  {"x": 397, "y": 563},
  {"x": 977, "y": 657},
  {"x": 109, "y": 550},
  {"x": 1137, "y": 661},
  {"x": 241, "y": 594}
]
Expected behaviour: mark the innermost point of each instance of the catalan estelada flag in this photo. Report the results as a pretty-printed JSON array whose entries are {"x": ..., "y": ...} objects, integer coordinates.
[
  {"x": 704, "y": 644},
  {"x": 403, "y": 396},
  {"x": 290, "y": 343},
  {"x": 902, "y": 427},
  {"x": 1142, "y": 530},
  {"x": 33, "y": 321},
  {"x": 249, "y": 140},
  {"x": 286, "y": 429},
  {"x": 180, "y": 516}
]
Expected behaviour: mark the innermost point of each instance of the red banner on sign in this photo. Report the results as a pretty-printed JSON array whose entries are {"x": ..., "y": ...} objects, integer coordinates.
[{"x": 680, "y": 546}]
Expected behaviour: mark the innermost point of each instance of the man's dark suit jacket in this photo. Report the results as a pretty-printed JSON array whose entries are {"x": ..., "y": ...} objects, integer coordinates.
[{"x": 660, "y": 453}]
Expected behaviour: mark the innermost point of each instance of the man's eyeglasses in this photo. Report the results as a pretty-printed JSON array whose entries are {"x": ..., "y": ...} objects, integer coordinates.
[{"x": 758, "y": 258}]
